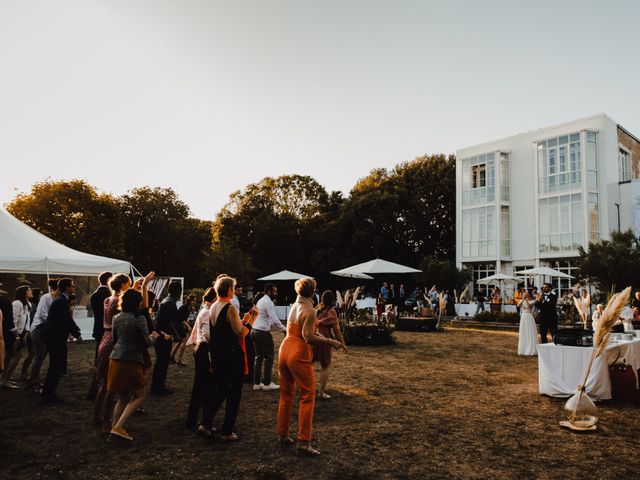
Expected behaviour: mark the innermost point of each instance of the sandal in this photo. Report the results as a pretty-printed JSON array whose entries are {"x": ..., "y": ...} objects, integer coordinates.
[
  {"x": 286, "y": 442},
  {"x": 307, "y": 450},
  {"x": 324, "y": 396},
  {"x": 206, "y": 432},
  {"x": 121, "y": 432},
  {"x": 229, "y": 438}
]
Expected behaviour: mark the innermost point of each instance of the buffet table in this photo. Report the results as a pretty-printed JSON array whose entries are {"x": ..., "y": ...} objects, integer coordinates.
[{"x": 561, "y": 368}]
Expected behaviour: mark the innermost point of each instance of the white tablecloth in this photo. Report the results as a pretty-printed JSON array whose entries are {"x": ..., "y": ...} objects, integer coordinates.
[
  {"x": 469, "y": 309},
  {"x": 561, "y": 368},
  {"x": 366, "y": 303}
]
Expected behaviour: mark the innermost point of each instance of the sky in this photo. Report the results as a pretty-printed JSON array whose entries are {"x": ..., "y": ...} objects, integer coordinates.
[{"x": 209, "y": 96}]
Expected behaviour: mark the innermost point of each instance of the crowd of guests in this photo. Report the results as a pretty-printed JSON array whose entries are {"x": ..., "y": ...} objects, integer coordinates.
[{"x": 227, "y": 348}]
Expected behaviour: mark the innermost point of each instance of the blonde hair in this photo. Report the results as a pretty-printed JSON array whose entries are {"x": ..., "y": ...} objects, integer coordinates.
[
  {"x": 305, "y": 286},
  {"x": 223, "y": 284}
]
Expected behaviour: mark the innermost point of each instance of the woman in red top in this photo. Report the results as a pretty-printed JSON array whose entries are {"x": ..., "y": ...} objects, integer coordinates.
[{"x": 329, "y": 327}]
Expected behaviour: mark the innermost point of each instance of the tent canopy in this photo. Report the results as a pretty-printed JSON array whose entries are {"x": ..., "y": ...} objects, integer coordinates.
[
  {"x": 376, "y": 266},
  {"x": 25, "y": 250},
  {"x": 283, "y": 275}
]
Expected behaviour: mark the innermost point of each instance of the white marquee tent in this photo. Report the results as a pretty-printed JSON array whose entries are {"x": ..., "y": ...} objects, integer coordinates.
[{"x": 25, "y": 250}]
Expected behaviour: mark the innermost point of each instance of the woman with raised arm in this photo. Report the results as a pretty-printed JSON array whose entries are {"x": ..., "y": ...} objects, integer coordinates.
[
  {"x": 296, "y": 368},
  {"x": 126, "y": 365},
  {"x": 103, "y": 407}
]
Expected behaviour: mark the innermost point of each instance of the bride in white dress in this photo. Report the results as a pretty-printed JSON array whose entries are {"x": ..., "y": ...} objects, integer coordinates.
[{"x": 527, "y": 339}]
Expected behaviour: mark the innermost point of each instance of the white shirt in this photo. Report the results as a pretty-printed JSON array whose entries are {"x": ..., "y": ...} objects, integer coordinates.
[
  {"x": 267, "y": 317},
  {"x": 20, "y": 316},
  {"x": 42, "y": 312},
  {"x": 236, "y": 303},
  {"x": 200, "y": 331}
]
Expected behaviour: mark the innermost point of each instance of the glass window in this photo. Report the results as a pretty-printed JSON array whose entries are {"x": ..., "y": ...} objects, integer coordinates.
[
  {"x": 565, "y": 218},
  {"x": 544, "y": 243},
  {"x": 552, "y": 161},
  {"x": 478, "y": 176},
  {"x": 624, "y": 166},
  {"x": 591, "y": 156},
  {"x": 559, "y": 164},
  {"x": 478, "y": 231},
  {"x": 562, "y": 159},
  {"x": 577, "y": 241},
  {"x": 560, "y": 223},
  {"x": 478, "y": 179},
  {"x": 544, "y": 220},
  {"x": 591, "y": 137}
]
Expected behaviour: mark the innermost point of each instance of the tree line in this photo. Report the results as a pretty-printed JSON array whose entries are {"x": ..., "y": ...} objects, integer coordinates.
[{"x": 405, "y": 214}]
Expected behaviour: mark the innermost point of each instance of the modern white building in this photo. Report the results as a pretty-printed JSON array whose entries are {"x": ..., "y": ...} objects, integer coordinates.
[{"x": 532, "y": 199}]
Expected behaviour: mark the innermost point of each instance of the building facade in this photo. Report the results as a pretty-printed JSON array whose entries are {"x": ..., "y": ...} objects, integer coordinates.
[{"x": 532, "y": 199}]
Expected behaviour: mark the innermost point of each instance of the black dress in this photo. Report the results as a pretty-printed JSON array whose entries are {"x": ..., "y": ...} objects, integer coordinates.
[{"x": 227, "y": 362}]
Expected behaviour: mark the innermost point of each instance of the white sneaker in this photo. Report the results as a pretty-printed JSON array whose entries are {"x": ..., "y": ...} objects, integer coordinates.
[
  {"x": 271, "y": 386},
  {"x": 258, "y": 386}
]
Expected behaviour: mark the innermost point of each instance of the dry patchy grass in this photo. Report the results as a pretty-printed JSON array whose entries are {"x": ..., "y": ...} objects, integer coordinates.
[{"x": 458, "y": 404}]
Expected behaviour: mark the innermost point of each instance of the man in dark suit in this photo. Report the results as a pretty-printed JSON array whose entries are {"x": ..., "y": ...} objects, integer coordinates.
[
  {"x": 167, "y": 317},
  {"x": 58, "y": 326},
  {"x": 546, "y": 303},
  {"x": 393, "y": 295},
  {"x": 97, "y": 306}
]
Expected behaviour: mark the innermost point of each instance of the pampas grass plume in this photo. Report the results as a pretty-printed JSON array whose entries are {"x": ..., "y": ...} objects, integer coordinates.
[{"x": 610, "y": 316}]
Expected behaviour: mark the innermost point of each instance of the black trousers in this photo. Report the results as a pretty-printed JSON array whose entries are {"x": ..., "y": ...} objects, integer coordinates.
[
  {"x": 263, "y": 343},
  {"x": 163, "y": 352},
  {"x": 547, "y": 325},
  {"x": 93, "y": 385},
  {"x": 227, "y": 386},
  {"x": 202, "y": 386},
  {"x": 57, "y": 367},
  {"x": 251, "y": 357}
]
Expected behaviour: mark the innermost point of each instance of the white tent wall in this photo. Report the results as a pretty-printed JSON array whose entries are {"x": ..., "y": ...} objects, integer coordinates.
[{"x": 25, "y": 250}]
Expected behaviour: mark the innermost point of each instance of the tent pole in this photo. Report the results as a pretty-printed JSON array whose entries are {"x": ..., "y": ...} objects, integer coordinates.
[{"x": 46, "y": 264}]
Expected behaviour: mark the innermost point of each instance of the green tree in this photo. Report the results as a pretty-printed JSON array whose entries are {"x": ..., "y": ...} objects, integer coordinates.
[
  {"x": 443, "y": 274},
  {"x": 612, "y": 263},
  {"x": 73, "y": 213},
  {"x": 269, "y": 221},
  {"x": 160, "y": 235},
  {"x": 404, "y": 214}
]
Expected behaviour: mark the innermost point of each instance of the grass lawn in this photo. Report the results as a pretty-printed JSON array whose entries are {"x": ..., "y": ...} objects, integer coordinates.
[{"x": 457, "y": 404}]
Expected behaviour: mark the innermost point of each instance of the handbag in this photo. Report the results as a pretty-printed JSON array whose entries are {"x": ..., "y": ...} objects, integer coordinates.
[{"x": 623, "y": 382}]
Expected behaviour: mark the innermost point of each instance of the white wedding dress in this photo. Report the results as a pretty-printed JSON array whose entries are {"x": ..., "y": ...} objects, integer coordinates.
[{"x": 528, "y": 337}]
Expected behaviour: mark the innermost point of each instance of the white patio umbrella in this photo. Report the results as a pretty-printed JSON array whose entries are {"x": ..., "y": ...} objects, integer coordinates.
[
  {"x": 375, "y": 266},
  {"x": 283, "y": 275},
  {"x": 544, "y": 271},
  {"x": 363, "y": 276},
  {"x": 500, "y": 278}
]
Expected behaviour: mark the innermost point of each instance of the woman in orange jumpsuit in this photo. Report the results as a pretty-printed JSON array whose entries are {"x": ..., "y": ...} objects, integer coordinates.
[{"x": 295, "y": 367}]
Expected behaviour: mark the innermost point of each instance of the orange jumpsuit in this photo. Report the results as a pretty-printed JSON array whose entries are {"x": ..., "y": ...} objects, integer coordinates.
[{"x": 295, "y": 367}]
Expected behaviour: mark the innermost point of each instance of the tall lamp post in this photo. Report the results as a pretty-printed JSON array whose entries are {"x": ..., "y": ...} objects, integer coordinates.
[{"x": 618, "y": 207}]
